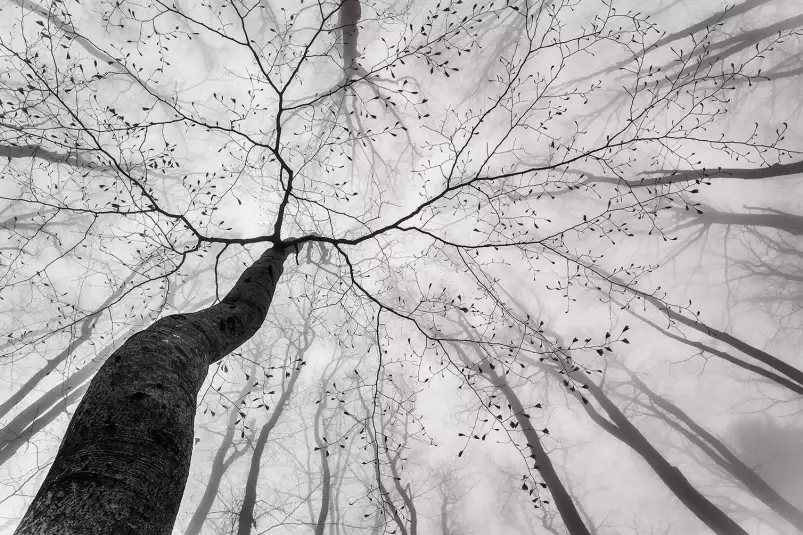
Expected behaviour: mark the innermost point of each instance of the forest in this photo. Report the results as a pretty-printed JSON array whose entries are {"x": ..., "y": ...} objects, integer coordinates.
[{"x": 415, "y": 267}]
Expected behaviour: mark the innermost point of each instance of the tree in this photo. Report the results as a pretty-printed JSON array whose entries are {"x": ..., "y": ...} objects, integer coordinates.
[{"x": 243, "y": 146}]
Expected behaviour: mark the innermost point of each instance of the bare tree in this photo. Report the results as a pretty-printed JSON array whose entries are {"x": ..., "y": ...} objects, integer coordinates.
[{"x": 335, "y": 151}]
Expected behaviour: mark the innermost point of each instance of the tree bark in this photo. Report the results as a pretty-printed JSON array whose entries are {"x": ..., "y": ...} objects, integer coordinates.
[{"x": 124, "y": 461}]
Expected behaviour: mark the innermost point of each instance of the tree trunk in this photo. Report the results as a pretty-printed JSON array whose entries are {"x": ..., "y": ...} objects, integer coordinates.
[
  {"x": 673, "y": 478},
  {"x": 326, "y": 473},
  {"x": 246, "y": 517},
  {"x": 220, "y": 464},
  {"x": 84, "y": 335},
  {"x": 563, "y": 502},
  {"x": 124, "y": 461},
  {"x": 724, "y": 457}
]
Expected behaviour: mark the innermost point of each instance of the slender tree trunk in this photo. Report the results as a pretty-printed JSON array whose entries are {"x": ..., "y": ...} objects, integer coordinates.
[
  {"x": 673, "y": 478},
  {"x": 39, "y": 422},
  {"x": 445, "y": 516},
  {"x": 780, "y": 366},
  {"x": 725, "y": 458},
  {"x": 219, "y": 465},
  {"x": 326, "y": 472},
  {"x": 246, "y": 518},
  {"x": 19, "y": 429},
  {"x": 84, "y": 335},
  {"x": 762, "y": 356},
  {"x": 563, "y": 501},
  {"x": 124, "y": 461},
  {"x": 404, "y": 491},
  {"x": 770, "y": 375},
  {"x": 384, "y": 495}
]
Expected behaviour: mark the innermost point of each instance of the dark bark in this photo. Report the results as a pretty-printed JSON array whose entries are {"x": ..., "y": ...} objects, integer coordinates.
[
  {"x": 246, "y": 518},
  {"x": 124, "y": 460}
]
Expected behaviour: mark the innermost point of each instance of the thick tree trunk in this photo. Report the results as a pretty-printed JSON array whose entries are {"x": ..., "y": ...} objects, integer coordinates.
[{"x": 123, "y": 464}]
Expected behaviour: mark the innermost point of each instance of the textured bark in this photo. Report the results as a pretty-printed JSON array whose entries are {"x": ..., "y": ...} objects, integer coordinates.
[
  {"x": 246, "y": 518},
  {"x": 124, "y": 461}
]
